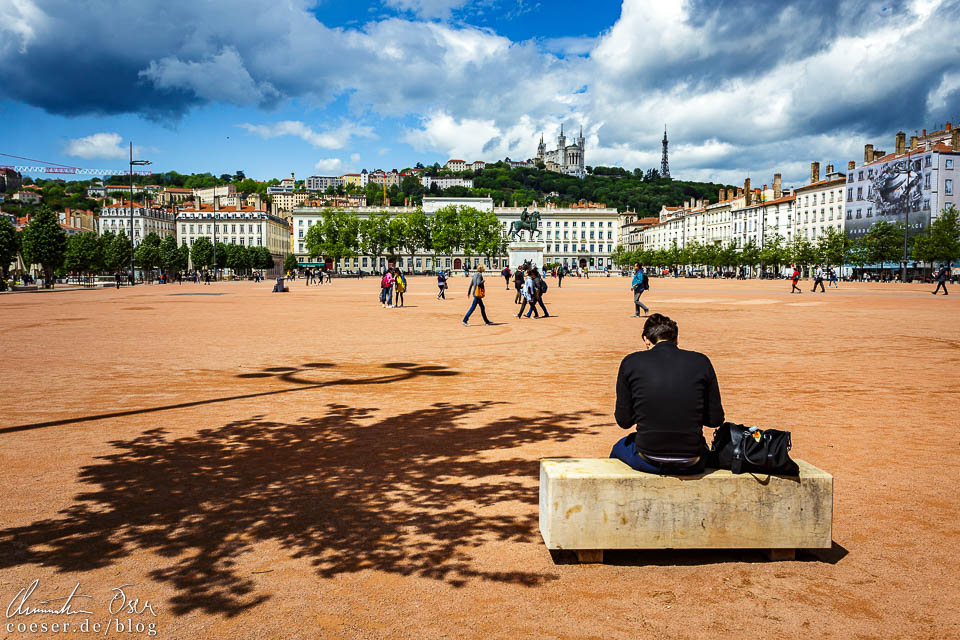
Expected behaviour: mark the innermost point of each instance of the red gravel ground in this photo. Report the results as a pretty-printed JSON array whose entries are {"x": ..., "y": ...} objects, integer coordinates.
[{"x": 311, "y": 465}]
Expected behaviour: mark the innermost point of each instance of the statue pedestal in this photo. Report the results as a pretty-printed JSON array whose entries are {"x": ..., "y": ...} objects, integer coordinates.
[{"x": 520, "y": 252}]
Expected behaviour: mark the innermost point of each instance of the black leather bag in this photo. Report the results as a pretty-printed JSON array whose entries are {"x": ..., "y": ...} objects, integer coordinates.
[{"x": 741, "y": 450}]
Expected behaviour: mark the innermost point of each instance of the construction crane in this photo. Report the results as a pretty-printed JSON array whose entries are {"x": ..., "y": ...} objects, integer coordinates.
[{"x": 62, "y": 169}]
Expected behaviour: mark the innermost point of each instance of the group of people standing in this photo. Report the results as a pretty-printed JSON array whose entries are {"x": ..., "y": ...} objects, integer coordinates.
[
  {"x": 316, "y": 277},
  {"x": 393, "y": 285}
]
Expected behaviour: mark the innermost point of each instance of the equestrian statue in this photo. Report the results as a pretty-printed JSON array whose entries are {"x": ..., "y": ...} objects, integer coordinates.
[{"x": 527, "y": 222}]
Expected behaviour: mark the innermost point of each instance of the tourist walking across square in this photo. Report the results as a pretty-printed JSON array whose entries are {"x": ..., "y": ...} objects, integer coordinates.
[
  {"x": 518, "y": 277},
  {"x": 639, "y": 284},
  {"x": 400, "y": 283},
  {"x": 529, "y": 296},
  {"x": 942, "y": 276},
  {"x": 818, "y": 280},
  {"x": 795, "y": 278},
  {"x": 832, "y": 278},
  {"x": 442, "y": 285},
  {"x": 386, "y": 289},
  {"x": 506, "y": 276},
  {"x": 478, "y": 291}
]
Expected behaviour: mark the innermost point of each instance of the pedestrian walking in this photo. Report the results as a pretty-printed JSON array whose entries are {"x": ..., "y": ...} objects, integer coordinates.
[
  {"x": 539, "y": 288},
  {"x": 116, "y": 276},
  {"x": 818, "y": 280},
  {"x": 506, "y": 276},
  {"x": 795, "y": 278},
  {"x": 942, "y": 276},
  {"x": 528, "y": 296},
  {"x": 478, "y": 291},
  {"x": 518, "y": 277},
  {"x": 559, "y": 276},
  {"x": 832, "y": 278},
  {"x": 442, "y": 285},
  {"x": 639, "y": 284}
]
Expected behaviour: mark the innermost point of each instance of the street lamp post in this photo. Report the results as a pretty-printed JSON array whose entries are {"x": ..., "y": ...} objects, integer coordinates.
[{"x": 138, "y": 163}]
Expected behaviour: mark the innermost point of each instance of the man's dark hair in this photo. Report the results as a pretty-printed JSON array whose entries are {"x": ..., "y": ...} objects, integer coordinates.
[{"x": 659, "y": 327}]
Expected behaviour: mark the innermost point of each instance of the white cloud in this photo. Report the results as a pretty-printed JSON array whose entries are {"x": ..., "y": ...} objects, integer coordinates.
[
  {"x": 21, "y": 19},
  {"x": 221, "y": 77},
  {"x": 427, "y": 8},
  {"x": 354, "y": 157},
  {"x": 329, "y": 165},
  {"x": 329, "y": 139},
  {"x": 98, "y": 145}
]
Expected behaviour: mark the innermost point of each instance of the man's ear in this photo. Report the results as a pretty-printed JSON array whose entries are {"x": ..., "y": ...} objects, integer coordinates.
[{"x": 646, "y": 342}]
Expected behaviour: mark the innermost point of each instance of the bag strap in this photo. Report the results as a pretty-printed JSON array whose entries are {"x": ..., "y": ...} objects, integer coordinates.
[{"x": 736, "y": 439}]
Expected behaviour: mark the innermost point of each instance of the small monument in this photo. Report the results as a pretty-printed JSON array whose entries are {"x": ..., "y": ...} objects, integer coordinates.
[{"x": 520, "y": 252}]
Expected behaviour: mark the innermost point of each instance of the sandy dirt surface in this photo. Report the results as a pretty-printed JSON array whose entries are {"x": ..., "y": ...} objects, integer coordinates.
[{"x": 310, "y": 465}]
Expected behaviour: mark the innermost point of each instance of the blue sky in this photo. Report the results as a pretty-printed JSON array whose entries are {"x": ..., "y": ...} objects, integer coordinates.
[{"x": 330, "y": 86}]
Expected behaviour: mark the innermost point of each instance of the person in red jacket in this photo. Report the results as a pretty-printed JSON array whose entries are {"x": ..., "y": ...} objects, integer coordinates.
[{"x": 795, "y": 278}]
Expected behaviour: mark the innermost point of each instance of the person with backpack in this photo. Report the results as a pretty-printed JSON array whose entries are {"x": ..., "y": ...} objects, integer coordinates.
[
  {"x": 442, "y": 285},
  {"x": 539, "y": 288},
  {"x": 942, "y": 277},
  {"x": 506, "y": 276},
  {"x": 400, "y": 284},
  {"x": 639, "y": 284},
  {"x": 386, "y": 289},
  {"x": 477, "y": 290},
  {"x": 560, "y": 276},
  {"x": 529, "y": 296},
  {"x": 518, "y": 277}
]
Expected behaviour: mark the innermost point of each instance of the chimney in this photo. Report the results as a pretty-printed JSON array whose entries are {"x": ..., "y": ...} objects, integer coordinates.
[
  {"x": 955, "y": 140},
  {"x": 829, "y": 169},
  {"x": 720, "y": 196},
  {"x": 747, "y": 193},
  {"x": 851, "y": 165},
  {"x": 739, "y": 192},
  {"x": 814, "y": 172},
  {"x": 196, "y": 203},
  {"x": 914, "y": 142},
  {"x": 924, "y": 133},
  {"x": 901, "y": 142},
  {"x": 730, "y": 194},
  {"x": 777, "y": 187},
  {"x": 948, "y": 127}
]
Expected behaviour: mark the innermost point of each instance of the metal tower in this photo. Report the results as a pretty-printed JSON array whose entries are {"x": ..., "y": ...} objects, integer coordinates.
[{"x": 664, "y": 164}]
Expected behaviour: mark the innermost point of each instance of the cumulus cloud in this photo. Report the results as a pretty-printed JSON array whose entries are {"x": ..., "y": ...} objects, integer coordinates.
[
  {"x": 740, "y": 84},
  {"x": 98, "y": 145},
  {"x": 329, "y": 165},
  {"x": 329, "y": 139}
]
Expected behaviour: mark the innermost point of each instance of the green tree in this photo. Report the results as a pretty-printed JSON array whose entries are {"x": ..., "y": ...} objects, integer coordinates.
[
  {"x": 774, "y": 253},
  {"x": 44, "y": 242},
  {"x": 728, "y": 255},
  {"x": 84, "y": 253},
  {"x": 832, "y": 247},
  {"x": 201, "y": 254},
  {"x": 169, "y": 254},
  {"x": 749, "y": 255},
  {"x": 801, "y": 251},
  {"x": 446, "y": 231},
  {"x": 374, "y": 235},
  {"x": 884, "y": 243},
  {"x": 417, "y": 231},
  {"x": 147, "y": 253},
  {"x": 337, "y": 236},
  {"x": 290, "y": 264},
  {"x": 941, "y": 240},
  {"x": 9, "y": 245},
  {"x": 183, "y": 257}
]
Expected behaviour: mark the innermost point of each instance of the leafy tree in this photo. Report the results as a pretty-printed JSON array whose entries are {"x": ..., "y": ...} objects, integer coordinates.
[
  {"x": 859, "y": 253},
  {"x": 884, "y": 242},
  {"x": 201, "y": 254},
  {"x": 749, "y": 255},
  {"x": 728, "y": 255},
  {"x": 445, "y": 230},
  {"x": 374, "y": 236},
  {"x": 337, "y": 236},
  {"x": 84, "y": 253},
  {"x": 147, "y": 253},
  {"x": 396, "y": 236},
  {"x": 183, "y": 257},
  {"x": 9, "y": 245},
  {"x": 169, "y": 254},
  {"x": 44, "y": 242},
  {"x": 801, "y": 251},
  {"x": 290, "y": 264},
  {"x": 774, "y": 252},
  {"x": 490, "y": 236},
  {"x": 832, "y": 247},
  {"x": 416, "y": 232},
  {"x": 941, "y": 241}
]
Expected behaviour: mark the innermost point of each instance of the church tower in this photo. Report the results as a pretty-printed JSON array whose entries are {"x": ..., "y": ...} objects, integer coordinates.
[
  {"x": 581, "y": 163},
  {"x": 562, "y": 148},
  {"x": 664, "y": 163},
  {"x": 541, "y": 149}
]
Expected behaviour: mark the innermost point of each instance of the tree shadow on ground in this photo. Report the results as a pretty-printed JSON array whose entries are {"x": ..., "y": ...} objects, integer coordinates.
[{"x": 348, "y": 490}]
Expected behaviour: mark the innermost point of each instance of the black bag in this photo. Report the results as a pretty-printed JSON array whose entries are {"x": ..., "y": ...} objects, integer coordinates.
[{"x": 741, "y": 450}]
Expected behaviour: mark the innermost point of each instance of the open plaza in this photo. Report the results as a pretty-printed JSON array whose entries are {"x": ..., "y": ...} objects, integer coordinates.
[{"x": 312, "y": 465}]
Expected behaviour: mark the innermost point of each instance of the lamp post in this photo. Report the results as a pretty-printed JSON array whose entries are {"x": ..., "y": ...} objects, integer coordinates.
[{"x": 138, "y": 163}]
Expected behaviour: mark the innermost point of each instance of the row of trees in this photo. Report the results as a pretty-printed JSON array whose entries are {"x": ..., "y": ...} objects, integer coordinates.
[
  {"x": 340, "y": 234},
  {"x": 881, "y": 245}
]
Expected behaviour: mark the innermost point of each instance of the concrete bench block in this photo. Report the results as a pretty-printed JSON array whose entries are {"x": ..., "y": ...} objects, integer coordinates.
[{"x": 588, "y": 505}]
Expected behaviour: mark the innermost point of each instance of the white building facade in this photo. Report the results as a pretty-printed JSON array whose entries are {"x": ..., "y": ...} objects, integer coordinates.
[
  {"x": 245, "y": 226},
  {"x": 146, "y": 220},
  {"x": 446, "y": 182}
]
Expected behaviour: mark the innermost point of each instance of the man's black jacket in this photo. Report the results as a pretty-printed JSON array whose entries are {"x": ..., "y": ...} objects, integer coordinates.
[{"x": 669, "y": 393}]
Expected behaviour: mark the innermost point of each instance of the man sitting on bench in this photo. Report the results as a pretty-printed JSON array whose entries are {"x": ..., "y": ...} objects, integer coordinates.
[{"x": 669, "y": 394}]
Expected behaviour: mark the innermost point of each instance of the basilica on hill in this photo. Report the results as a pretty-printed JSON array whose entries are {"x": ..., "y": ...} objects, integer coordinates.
[{"x": 565, "y": 158}]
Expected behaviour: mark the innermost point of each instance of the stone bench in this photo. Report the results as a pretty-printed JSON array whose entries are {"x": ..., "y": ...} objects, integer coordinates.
[{"x": 588, "y": 505}]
